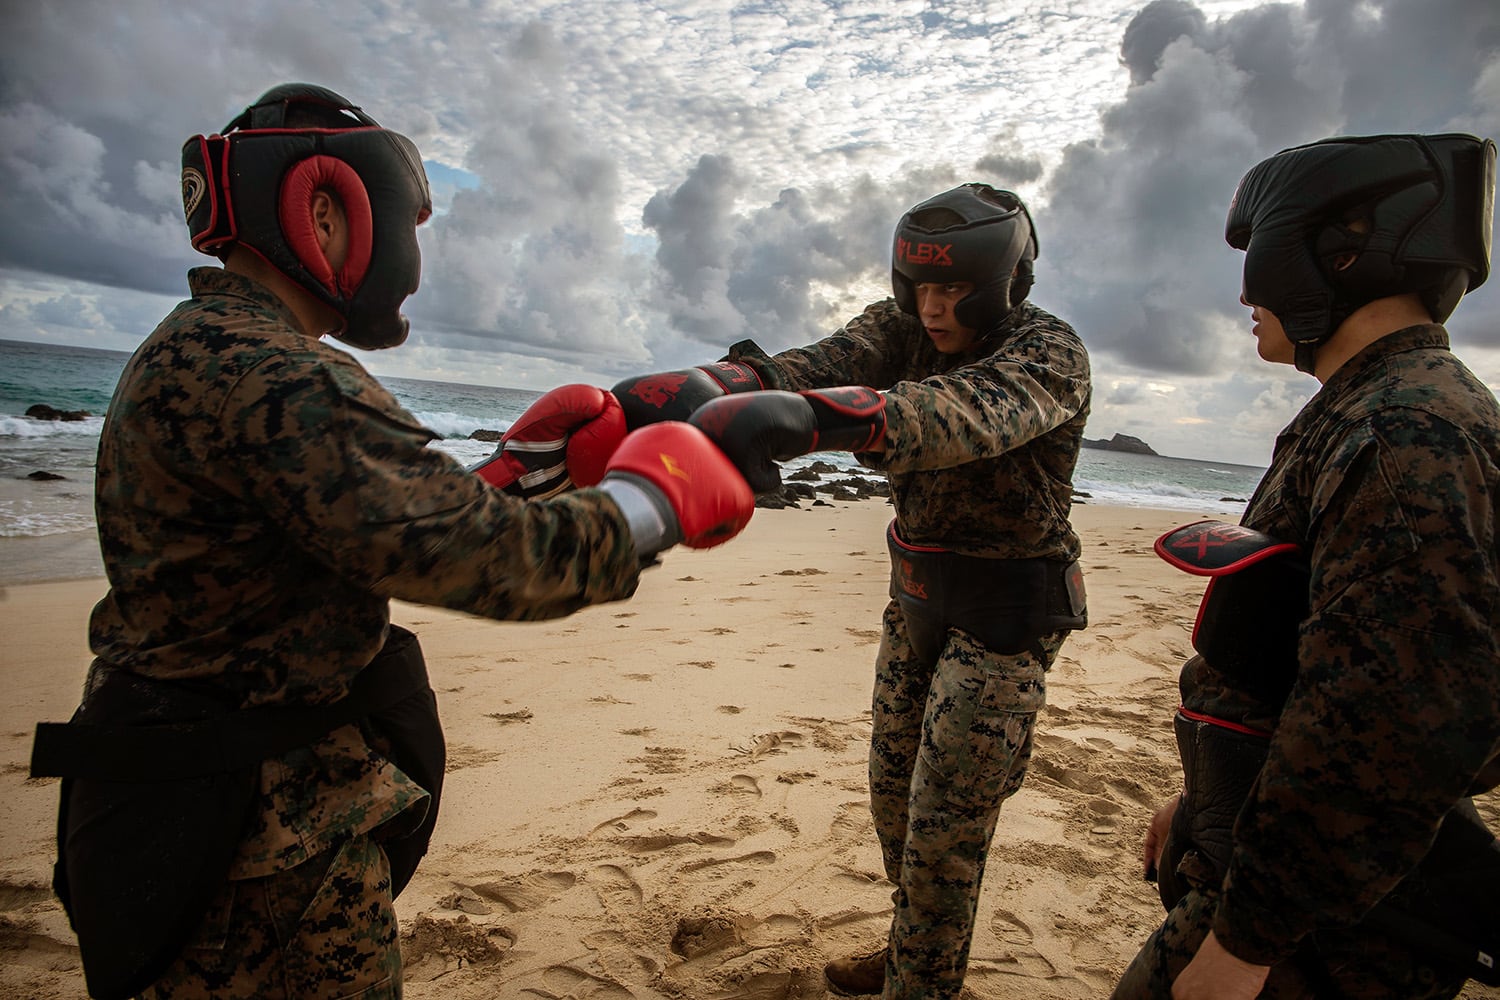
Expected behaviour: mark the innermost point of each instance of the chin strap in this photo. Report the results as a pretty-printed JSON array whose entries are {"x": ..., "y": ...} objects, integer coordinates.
[{"x": 1306, "y": 355}]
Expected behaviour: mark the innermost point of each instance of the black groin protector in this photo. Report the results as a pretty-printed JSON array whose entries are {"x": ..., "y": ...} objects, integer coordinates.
[
  {"x": 1256, "y": 599},
  {"x": 1429, "y": 202},
  {"x": 1006, "y": 604},
  {"x": 253, "y": 184}
]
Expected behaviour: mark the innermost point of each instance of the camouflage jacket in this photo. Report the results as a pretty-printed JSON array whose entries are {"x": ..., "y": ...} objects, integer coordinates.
[
  {"x": 980, "y": 446},
  {"x": 1388, "y": 480},
  {"x": 260, "y": 498}
]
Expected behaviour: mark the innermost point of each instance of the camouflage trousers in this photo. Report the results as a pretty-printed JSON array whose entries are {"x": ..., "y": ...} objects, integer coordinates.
[
  {"x": 1357, "y": 964},
  {"x": 951, "y": 743},
  {"x": 324, "y": 929}
]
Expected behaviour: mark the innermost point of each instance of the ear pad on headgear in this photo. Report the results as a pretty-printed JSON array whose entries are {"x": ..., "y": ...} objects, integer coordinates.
[{"x": 295, "y": 211}]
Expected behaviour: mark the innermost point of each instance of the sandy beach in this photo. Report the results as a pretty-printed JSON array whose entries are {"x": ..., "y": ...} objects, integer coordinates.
[{"x": 666, "y": 797}]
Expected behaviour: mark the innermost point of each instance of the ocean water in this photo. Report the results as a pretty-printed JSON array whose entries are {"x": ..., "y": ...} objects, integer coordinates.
[{"x": 76, "y": 378}]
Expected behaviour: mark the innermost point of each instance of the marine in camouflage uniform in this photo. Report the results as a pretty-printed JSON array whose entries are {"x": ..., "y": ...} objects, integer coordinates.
[
  {"x": 979, "y": 448},
  {"x": 260, "y": 499},
  {"x": 1387, "y": 481}
]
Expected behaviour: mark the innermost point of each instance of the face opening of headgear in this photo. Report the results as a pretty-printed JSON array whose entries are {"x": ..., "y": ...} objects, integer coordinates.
[
  {"x": 253, "y": 186},
  {"x": 1335, "y": 224},
  {"x": 973, "y": 233}
]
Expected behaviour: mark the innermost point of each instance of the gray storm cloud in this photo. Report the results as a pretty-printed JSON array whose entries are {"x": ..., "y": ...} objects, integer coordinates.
[
  {"x": 636, "y": 193},
  {"x": 1138, "y": 212}
]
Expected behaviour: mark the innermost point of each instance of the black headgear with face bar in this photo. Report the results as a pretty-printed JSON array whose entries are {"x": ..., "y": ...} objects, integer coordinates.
[{"x": 1413, "y": 213}]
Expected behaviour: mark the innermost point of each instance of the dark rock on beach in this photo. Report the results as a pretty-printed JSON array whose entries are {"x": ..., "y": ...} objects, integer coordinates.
[
  {"x": 484, "y": 435},
  {"x": 41, "y": 411},
  {"x": 43, "y": 476}
]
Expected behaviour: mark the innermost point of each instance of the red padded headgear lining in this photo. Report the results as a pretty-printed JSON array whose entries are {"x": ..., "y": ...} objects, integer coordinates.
[{"x": 295, "y": 208}]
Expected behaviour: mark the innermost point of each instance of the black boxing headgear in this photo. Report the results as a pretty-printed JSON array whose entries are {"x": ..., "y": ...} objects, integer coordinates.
[
  {"x": 253, "y": 186},
  {"x": 974, "y": 233},
  {"x": 1412, "y": 212}
]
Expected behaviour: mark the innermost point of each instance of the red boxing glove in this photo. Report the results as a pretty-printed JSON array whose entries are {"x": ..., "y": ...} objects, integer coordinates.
[
  {"x": 674, "y": 485},
  {"x": 650, "y": 399},
  {"x": 563, "y": 440}
]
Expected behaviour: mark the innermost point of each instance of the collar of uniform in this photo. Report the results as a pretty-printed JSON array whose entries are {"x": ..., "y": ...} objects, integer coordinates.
[
  {"x": 988, "y": 343},
  {"x": 1411, "y": 338},
  {"x": 217, "y": 281}
]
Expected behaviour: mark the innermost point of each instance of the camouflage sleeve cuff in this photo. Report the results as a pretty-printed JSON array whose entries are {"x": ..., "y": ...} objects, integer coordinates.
[
  {"x": 1257, "y": 927},
  {"x": 748, "y": 352}
]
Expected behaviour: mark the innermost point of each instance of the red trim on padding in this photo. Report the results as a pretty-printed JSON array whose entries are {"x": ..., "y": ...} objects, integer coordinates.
[
  {"x": 914, "y": 548},
  {"x": 1217, "y": 548},
  {"x": 1222, "y": 723},
  {"x": 295, "y": 210},
  {"x": 732, "y": 376}
]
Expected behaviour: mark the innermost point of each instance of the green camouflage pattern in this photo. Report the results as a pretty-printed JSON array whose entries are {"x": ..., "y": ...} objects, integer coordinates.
[
  {"x": 1354, "y": 963},
  {"x": 979, "y": 450},
  {"x": 979, "y": 446},
  {"x": 326, "y": 928},
  {"x": 1388, "y": 480},
  {"x": 951, "y": 742},
  {"x": 260, "y": 499}
]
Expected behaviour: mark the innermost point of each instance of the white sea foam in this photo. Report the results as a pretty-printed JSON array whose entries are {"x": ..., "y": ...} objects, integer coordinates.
[{"x": 25, "y": 427}]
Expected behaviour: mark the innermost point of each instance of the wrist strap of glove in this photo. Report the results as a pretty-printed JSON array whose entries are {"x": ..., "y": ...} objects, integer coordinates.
[
  {"x": 850, "y": 418},
  {"x": 653, "y": 523}
]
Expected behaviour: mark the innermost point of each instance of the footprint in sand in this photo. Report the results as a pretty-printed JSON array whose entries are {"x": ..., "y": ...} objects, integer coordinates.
[
  {"x": 622, "y": 823},
  {"x": 527, "y": 892},
  {"x": 615, "y": 887},
  {"x": 566, "y": 982},
  {"x": 461, "y": 755},
  {"x": 1011, "y": 929},
  {"x": 770, "y": 743},
  {"x": 646, "y": 843},
  {"x": 739, "y": 784},
  {"x": 1104, "y": 815},
  {"x": 852, "y": 822},
  {"x": 753, "y": 858},
  {"x": 1018, "y": 957}
]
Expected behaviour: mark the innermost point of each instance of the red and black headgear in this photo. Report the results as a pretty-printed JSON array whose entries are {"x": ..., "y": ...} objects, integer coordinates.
[
  {"x": 1423, "y": 204},
  {"x": 253, "y": 186},
  {"x": 973, "y": 233}
]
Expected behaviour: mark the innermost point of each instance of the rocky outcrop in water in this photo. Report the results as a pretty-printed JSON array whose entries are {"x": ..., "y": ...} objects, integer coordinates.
[{"x": 1121, "y": 442}]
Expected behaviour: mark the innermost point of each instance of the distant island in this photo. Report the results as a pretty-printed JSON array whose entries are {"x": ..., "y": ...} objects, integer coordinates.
[{"x": 1121, "y": 442}]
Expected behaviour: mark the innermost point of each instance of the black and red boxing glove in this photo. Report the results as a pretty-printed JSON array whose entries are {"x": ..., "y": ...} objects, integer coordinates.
[
  {"x": 650, "y": 399},
  {"x": 759, "y": 429},
  {"x": 563, "y": 440},
  {"x": 674, "y": 486}
]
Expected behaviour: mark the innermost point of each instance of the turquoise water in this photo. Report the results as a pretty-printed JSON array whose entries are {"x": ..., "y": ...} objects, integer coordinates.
[{"x": 77, "y": 378}]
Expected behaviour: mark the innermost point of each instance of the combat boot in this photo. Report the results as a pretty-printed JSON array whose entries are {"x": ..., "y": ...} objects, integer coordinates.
[{"x": 860, "y": 975}]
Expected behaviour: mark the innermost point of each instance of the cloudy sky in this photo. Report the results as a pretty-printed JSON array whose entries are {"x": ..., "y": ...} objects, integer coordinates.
[{"x": 628, "y": 186}]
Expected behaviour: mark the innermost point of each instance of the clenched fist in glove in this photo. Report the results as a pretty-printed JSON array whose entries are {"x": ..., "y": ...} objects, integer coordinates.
[
  {"x": 650, "y": 399},
  {"x": 562, "y": 440},
  {"x": 759, "y": 429},
  {"x": 674, "y": 486}
]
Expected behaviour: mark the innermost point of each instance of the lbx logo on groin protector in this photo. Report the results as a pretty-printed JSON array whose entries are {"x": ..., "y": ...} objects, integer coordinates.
[
  {"x": 194, "y": 184},
  {"x": 909, "y": 583}
]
